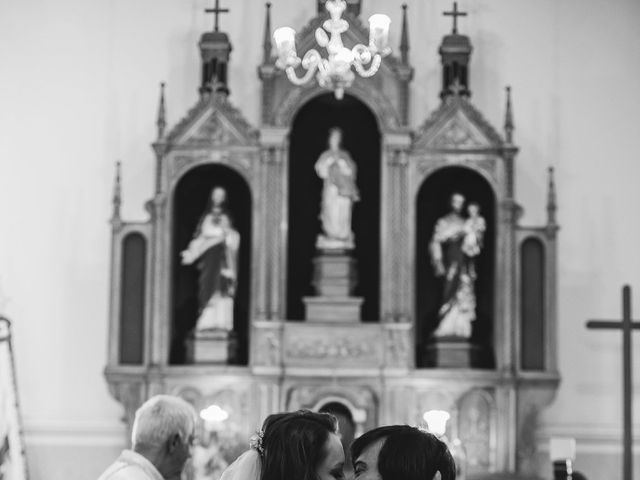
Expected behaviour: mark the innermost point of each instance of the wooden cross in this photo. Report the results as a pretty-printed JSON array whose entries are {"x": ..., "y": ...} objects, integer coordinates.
[
  {"x": 216, "y": 12},
  {"x": 626, "y": 325},
  {"x": 455, "y": 14}
]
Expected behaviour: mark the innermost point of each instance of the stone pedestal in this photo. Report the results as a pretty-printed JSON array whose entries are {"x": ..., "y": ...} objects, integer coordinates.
[
  {"x": 211, "y": 347},
  {"x": 334, "y": 278},
  {"x": 454, "y": 353},
  {"x": 334, "y": 274},
  {"x": 332, "y": 309}
]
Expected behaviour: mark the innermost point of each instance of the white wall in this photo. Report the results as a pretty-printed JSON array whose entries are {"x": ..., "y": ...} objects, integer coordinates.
[{"x": 78, "y": 90}]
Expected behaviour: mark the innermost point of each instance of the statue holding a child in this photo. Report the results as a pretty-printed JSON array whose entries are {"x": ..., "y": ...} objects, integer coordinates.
[{"x": 456, "y": 242}]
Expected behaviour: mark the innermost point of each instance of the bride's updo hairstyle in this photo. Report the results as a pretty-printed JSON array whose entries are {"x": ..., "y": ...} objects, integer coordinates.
[{"x": 294, "y": 444}]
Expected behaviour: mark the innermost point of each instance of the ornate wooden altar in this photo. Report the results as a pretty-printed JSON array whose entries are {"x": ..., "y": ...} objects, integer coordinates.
[{"x": 377, "y": 368}]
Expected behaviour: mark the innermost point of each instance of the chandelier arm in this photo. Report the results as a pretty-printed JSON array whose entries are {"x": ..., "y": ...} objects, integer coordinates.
[
  {"x": 371, "y": 71},
  {"x": 310, "y": 63},
  {"x": 293, "y": 77}
]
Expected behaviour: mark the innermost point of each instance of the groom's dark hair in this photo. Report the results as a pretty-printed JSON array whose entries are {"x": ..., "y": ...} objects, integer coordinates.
[
  {"x": 408, "y": 453},
  {"x": 295, "y": 444}
]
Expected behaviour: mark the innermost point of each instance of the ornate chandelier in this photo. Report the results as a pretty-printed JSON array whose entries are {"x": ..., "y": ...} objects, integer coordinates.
[{"x": 334, "y": 73}]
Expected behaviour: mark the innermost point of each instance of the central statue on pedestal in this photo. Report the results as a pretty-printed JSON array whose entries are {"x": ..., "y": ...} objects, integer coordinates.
[
  {"x": 335, "y": 272},
  {"x": 338, "y": 171}
]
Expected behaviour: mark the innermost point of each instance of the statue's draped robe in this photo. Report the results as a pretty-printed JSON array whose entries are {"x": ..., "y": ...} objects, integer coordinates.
[
  {"x": 215, "y": 248},
  {"x": 454, "y": 243},
  {"x": 338, "y": 171}
]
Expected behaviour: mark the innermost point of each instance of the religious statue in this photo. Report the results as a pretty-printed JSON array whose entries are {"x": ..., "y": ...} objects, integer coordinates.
[
  {"x": 214, "y": 250},
  {"x": 455, "y": 244},
  {"x": 338, "y": 172}
]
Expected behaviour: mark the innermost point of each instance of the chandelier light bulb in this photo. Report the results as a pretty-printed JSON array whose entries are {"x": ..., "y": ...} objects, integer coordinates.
[
  {"x": 285, "y": 39},
  {"x": 379, "y": 33}
]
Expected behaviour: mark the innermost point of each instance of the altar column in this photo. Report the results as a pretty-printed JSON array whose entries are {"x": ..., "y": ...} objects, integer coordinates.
[
  {"x": 396, "y": 258},
  {"x": 273, "y": 249}
]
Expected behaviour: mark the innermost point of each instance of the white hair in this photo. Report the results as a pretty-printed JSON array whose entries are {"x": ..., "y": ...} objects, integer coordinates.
[{"x": 161, "y": 417}]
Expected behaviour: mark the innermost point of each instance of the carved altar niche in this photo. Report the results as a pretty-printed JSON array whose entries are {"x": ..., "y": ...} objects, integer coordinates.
[
  {"x": 386, "y": 96},
  {"x": 360, "y": 400},
  {"x": 457, "y": 151},
  {"x": 477, "y": 421},
  {"x": 191, "y": 200},
  {"x": 307, "y": 141},
  {"x": 433, "y": 201}
]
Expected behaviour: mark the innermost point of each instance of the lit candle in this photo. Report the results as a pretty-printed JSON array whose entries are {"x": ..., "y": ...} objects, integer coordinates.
[
  {"x": 379, "y": 32},
  {"x": 436, "y": 421},
  {"x": 285, "y": 38}
]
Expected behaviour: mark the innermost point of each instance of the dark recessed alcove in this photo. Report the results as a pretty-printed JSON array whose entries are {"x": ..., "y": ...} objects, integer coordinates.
[
  {"x": 308, "y": 139},
  {"x": 189, "y": 204},
  {"x": 433, "y": 202}
]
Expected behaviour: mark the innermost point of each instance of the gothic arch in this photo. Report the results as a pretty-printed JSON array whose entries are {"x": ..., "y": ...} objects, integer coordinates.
[
  {"x": 431, "y": 203},
  {"x": 364, "y": 90},
  {"x": 188, "y": 201}
]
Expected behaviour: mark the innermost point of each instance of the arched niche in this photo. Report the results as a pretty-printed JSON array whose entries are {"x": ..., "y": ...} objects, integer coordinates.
[
  {"x": 365, "y": 90},
  {"x": 308, "y": 139},
  {"x": 432, "y": 203},
  {"x": 190, "y": 200},
  {"x": 132, "y": 293},
  {"x": 532, "y": 305}
]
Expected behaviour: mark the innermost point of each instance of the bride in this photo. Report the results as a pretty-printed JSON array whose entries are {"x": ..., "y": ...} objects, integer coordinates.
[{"x": 302, "y": 445}]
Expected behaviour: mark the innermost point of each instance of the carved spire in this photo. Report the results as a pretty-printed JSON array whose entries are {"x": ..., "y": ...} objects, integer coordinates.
[
  {"x": 552, "y": 205},
  {"x": 162, "y": 114},
  {"x": 455, "y": 53},
  {"x": 404, "y": 37},
  {"x": 266, "y": 43},
  {"x": 508, "y": 118},
  {"x": 117, "y": 194},
  {"x": 215, "y": 50}
]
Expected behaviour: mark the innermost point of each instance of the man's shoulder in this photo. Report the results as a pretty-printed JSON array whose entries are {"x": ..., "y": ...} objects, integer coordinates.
[
  {"x": 130, "y": 466},
  {"x": 125, "y": 471}
]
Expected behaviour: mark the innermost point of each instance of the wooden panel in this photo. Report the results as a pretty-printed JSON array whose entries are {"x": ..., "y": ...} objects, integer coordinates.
[
  {"x": 532, "y": 305},
  {"x": 132, "y": 299}
]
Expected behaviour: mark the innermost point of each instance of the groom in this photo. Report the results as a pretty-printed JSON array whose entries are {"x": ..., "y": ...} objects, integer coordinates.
[{"x": 401, "y": 452}]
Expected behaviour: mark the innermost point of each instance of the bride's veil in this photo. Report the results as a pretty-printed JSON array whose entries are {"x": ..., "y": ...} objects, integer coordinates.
[{"x": 248, "y": 466}]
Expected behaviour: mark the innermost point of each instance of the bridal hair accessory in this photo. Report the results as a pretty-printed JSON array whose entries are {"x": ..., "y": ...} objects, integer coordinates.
[{"x": 255, "y": 442}]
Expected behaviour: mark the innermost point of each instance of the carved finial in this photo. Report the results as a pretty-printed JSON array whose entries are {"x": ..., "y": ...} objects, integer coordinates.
[
  {"x": 404, "y": 37},
  {"x": 552, "y": 205},
  {"x": 162, "y": 114},
  {"x": 117, "y": 193},
  {"x": 508, "y": 118},
  {"x": 266, "y": 43}
]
